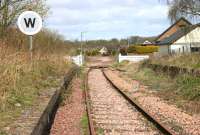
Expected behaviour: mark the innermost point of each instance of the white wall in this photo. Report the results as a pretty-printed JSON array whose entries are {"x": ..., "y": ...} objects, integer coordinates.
[
  {"x": 193, "y": 36},
  {"x": 134, "y": 58},
  {"x": 78, "y": 60},
  {"x": 180, "y": 48},
  {"x": 192, "y": 39}
]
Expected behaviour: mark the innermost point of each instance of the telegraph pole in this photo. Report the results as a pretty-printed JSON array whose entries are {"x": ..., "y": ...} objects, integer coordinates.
[
  {"x": 128, "y": 42},
  {"x": 81, "y": 53},
  {"x": 82, "y": 34},
  {"x": 81, "y": 43}
]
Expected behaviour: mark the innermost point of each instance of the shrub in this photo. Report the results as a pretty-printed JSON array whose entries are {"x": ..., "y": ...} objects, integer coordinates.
[
  {"x": 22, "y": 80},
  {"x": 46, "y": 41},
  {"x": 113, "y": 52},
  {"x": 77, "y": 51},
  {"x": 131, "y": 49},
  {"x": 146, "y": 49},
  {"x": 181, "y": 60},
  {"x": 93, "y": 52},
  {"x": 123, "y": 51},
  {"x": 188, "y": 87}
]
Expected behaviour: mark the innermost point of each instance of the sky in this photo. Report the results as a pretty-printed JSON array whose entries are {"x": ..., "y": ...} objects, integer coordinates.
[{"x": 106, "y": 19}]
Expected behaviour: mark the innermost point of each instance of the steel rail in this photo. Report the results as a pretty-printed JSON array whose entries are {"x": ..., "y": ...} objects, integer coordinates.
[
  {"x": 87, "y": 99},
  {"x": 88, "y": 106},
  {"x": 165, "y": 130}
]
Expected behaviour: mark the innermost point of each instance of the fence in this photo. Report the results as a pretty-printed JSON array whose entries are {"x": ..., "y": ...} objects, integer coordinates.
[
  {"x": 78, "y": 60},
  {"x": 134, "y": 58}
]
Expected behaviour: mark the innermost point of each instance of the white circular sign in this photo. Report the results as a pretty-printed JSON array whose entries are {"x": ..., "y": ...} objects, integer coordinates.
[{"x": 29, "y": 23}]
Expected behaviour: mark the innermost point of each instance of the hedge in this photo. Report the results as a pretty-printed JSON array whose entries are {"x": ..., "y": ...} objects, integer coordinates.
[
  {"x": 146, "y": 49},
  {"x": 131, "y": 49},
  {"x": 123, "y": 51}
]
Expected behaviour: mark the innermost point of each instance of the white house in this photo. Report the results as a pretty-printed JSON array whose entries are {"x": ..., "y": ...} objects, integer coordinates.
[
  {"x": 104, "y": 51},
  {"x": 147, "y": 42},
  {"x": 185, "y": 40},
  {"x": 189, "y": 42},
  {"x": 180, "y": 37}
]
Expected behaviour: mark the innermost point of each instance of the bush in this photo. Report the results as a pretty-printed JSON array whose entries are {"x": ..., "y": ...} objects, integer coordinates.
[
  {"x": 93, "y": 52},
  {"x": 23, "y": 80},
  {"x": 113, "y": 52},
  {"x": 180, "y": 60},
  {"x": 46, "y": 41},
  {"x": 131, "y": 49},
  {"x": 188, "y": 87},
  {"x": 146, "y": 49},
  {"x": 123, "y": 51},
  {"x": 78, "y": 52}
]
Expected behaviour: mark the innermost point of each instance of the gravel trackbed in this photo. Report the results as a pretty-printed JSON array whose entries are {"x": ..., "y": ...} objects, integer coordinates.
[
  {"x": 67, "y": 120},
  {"x": 111, "y": 113},
  {"x": 173, "y": 117}
]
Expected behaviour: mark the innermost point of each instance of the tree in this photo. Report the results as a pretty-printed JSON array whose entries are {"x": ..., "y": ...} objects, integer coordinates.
[
  {"x": 10, "y": 10},
  {"x": 187, "y": 8}
]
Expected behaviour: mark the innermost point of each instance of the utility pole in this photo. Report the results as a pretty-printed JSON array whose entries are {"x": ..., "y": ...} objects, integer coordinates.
[
  {"x": 128, "y": 42},
  {"x": 81, "y": 59},
  {"x": 82, "y": 34},
  {"x": 81, "y": 43}
]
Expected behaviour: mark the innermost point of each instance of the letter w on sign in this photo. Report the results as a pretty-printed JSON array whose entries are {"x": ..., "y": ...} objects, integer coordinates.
[{"x": 29, "y": 22}]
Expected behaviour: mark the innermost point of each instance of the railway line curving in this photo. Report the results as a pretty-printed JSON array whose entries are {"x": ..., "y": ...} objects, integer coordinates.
[{"x": 111, "y": 112}]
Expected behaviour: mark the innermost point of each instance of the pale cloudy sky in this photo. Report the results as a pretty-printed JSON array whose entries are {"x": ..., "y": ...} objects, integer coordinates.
[{"x": 105, "y": 19}]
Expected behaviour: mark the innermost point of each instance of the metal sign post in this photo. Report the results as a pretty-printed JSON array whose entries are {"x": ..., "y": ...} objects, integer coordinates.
[
  {"x": 31, "y": 46},
  {"x": 30, "y": 23}
]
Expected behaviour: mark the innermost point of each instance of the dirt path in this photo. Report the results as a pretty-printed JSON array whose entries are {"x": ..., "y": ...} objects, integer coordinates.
[
  {"x": 68, "y": 117},
  {"x": 170, "y": 115},
  {"x": 99, "y": 61},
  {"x": 111, "y": 113}
]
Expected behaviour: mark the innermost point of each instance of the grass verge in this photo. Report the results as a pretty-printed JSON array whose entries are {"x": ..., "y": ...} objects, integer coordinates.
[
  {"x": 182, "y": 90},
  {"x": 191, "y": 60},
  {"x": 22, "y": 81},
  {"x": 84, "y": 125}
]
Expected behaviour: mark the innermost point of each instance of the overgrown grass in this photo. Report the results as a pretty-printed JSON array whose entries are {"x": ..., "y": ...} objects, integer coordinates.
[
  {"x": 100, "y": 131},
  {"x": 120, "y": 65},
  {"x": 23, "y": 80},
  {"x": 84, "y": 125},
  {"x": 188, "y": 86},
  {"x": 183, "y": 90},
  {"x": 191, "y": 60},
  {"x": 3, "y": 133}
]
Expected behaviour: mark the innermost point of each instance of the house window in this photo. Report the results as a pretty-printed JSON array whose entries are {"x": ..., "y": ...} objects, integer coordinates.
[{"x": 195, "y": 49}]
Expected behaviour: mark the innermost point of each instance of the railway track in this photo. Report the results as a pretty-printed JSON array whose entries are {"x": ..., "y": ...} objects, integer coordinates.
[{"x": 112, "y": 112}]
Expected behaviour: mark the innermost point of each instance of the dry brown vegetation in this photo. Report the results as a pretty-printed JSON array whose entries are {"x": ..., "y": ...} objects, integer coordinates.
[
  {"x": 22, "y": 80},
  {"x": 191, "y": 60}
]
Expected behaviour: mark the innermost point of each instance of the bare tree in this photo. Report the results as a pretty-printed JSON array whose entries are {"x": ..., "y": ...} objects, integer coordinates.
[
  {"x": 187, "y": 8},
  {"x": 10, "y": 10}
]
